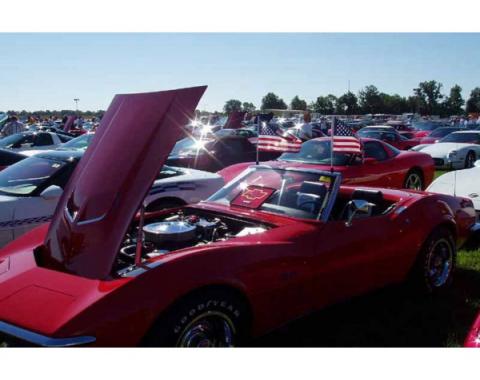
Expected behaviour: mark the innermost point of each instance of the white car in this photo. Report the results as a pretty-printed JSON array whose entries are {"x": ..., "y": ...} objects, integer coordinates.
[
  {"x": 31, "y": 188},
  {"x": 458, "y": 150},
  {"x": 464, "y": 183},
  {"x": 28, "y": 141}
]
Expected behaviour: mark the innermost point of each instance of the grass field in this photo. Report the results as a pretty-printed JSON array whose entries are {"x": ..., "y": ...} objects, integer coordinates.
[{"x": 394, "y": 316}]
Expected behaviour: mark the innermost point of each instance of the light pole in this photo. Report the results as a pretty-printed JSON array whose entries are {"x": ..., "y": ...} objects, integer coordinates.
[{"x": 76, "y": 100}]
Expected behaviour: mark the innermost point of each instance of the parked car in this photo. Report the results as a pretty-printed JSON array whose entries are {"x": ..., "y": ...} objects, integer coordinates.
[
  {"x": 216, "y": 151},
  {"x": 269, "y": 247},
  {"x": 30, "y": 190},
  {"x": 458, "y": 150},
  {"x": 424, "y": 128},
  {"x": 473, "y": 337},
  {"x": 436, "y": 135},
  {"x": 8, "y": 158},
  {"x": 392, "y": 137},
  {"x": 25, "y": 141},
  {"x": 382, "y": 165},
  {"x": 464, "y": 183}
]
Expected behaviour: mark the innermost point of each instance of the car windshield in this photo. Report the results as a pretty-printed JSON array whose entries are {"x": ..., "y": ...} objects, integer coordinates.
[
  {"x": 462, "y": 137},
  {"x": 318, "y": 152},
  {"x": 370, "y": 133},
  {"x": 24, "y": 177},
  {"x": 10, "y": 140},
  {"x": 189, "y": 146},
  {"x": 81, "y": 142},
  {"x": 441, "y": 132},
  {"x": 289, "y": 192}
]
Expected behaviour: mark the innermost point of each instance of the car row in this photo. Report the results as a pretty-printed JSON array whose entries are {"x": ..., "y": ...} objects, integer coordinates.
[{"x": 278, "y": 240}]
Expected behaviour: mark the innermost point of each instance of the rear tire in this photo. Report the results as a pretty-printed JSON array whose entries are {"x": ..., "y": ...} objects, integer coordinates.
[
  {"x": 435, "y": 264},
  {"x": 213, "y": 318},
  {"x": 414, "y": 180},
  {"x": 470, "y": 160}
]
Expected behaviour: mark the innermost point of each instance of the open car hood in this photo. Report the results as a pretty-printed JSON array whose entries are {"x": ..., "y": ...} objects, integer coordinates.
[{"x": 113, "y": 177}]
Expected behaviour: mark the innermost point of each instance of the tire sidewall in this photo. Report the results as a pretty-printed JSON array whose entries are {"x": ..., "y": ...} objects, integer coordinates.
[
  {"x": 423, "y": 264},
  {"x": 168, "y": 329}
]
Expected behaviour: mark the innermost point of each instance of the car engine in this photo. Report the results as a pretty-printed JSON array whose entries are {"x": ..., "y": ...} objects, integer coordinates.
[{"x": 181, "y": 229}]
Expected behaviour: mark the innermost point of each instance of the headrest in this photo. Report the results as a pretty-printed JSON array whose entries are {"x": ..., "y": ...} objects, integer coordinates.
[
  {"x": 316, "y": 188},
  {"x": 373, "y": 196}
]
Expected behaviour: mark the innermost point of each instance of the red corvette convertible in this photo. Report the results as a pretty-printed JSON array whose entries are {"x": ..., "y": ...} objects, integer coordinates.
[
  {"x": 473, "y": 338},
  {"x": 270, "y": 246},
  {"x": 383, "y": 165}
]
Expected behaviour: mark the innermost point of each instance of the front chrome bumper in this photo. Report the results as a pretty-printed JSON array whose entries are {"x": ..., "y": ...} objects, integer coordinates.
[{"x": 10, "y": 332}]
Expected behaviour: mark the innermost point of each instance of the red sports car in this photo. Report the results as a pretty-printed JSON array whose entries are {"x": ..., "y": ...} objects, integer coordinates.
[
  {"x": 382, "y": 165},
  {"x": 391, "y": 137},
  {"x": 473, "y": 338},
  {"x": 269, "y": 247}
]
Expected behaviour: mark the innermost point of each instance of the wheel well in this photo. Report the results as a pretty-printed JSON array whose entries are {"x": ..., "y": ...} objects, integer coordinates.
[
  {"x": 166, "y": 200},
  {"x": 416, "y": 169},
  {"x": 450, "y": 226}
]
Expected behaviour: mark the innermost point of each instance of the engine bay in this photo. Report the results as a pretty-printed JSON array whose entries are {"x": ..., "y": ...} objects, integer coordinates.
[{"x": 178, "y": 230}]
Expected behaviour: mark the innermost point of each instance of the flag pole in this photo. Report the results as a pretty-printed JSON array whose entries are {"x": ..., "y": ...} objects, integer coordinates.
[
  {"x": 332, "y": 133},
  {"x": 258, "y": 136}
]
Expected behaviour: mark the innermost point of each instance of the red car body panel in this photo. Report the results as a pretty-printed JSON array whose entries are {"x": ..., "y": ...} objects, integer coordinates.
[
  {"x": 90, "y": 218},
  {"x": 473, "y": 337},
  {"x": 389, "y": 173}
]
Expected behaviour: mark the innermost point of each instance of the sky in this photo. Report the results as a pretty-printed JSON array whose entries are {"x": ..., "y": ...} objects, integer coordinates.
[{"x": 47, "y": 71}]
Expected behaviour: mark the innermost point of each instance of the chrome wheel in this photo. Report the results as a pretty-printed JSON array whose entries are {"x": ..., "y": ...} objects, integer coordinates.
[
  {"x": 211, "y": 329},
  {"x": 414, "y": 182},
  {"x": 439, "y": 263}
]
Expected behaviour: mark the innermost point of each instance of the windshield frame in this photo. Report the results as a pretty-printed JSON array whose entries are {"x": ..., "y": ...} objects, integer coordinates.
[{"x": 325, "y": 210}]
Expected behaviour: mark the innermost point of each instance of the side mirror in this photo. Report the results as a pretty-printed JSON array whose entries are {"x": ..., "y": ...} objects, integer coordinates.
[
  {"x": 358, "y": 207},
  {"x": 369, "y": 160},
  {"x": 52, "y": 192},
  {"x": 477, "y": 163}
]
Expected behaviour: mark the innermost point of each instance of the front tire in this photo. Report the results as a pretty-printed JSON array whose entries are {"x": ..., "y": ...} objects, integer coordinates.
[
  {"x": 414, "y": 180},
  {"x": 435, "y": 265},
  {"x": 213, "y": 318}
]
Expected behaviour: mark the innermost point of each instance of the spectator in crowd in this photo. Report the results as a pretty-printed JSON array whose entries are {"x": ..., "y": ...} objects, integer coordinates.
[{"x": 12, "y": 126}]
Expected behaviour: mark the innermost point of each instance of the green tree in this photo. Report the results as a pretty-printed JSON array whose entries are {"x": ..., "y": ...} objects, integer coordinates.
[
  {"x": 347, "y": 104},
  {"x": 272, "y": 101},
  {"x": 393, "y": 104},
  {"x": 298, "y": 104},
  {"x": 473, "y": 103},
  {"x": 429, "y": 94},
  {"x": 325, "y": 105},
  {"x": 248, "y": 107},
  {"x": 232, "y": 105},
  {"x": 369, "y": 100},
  {"x": 454, "y": 102}
]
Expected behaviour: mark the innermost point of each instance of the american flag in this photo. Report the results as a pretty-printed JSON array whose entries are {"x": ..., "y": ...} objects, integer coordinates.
[
  {"x": 344, "y": 139},
  {"x": 270, "y": 141}
]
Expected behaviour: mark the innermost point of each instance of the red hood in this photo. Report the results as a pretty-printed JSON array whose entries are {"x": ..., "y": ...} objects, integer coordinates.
[{"x": 110, "y": 182}]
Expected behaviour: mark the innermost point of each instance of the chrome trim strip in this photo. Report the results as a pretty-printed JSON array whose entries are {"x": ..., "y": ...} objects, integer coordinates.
[{"x": 42, "y": 340}]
